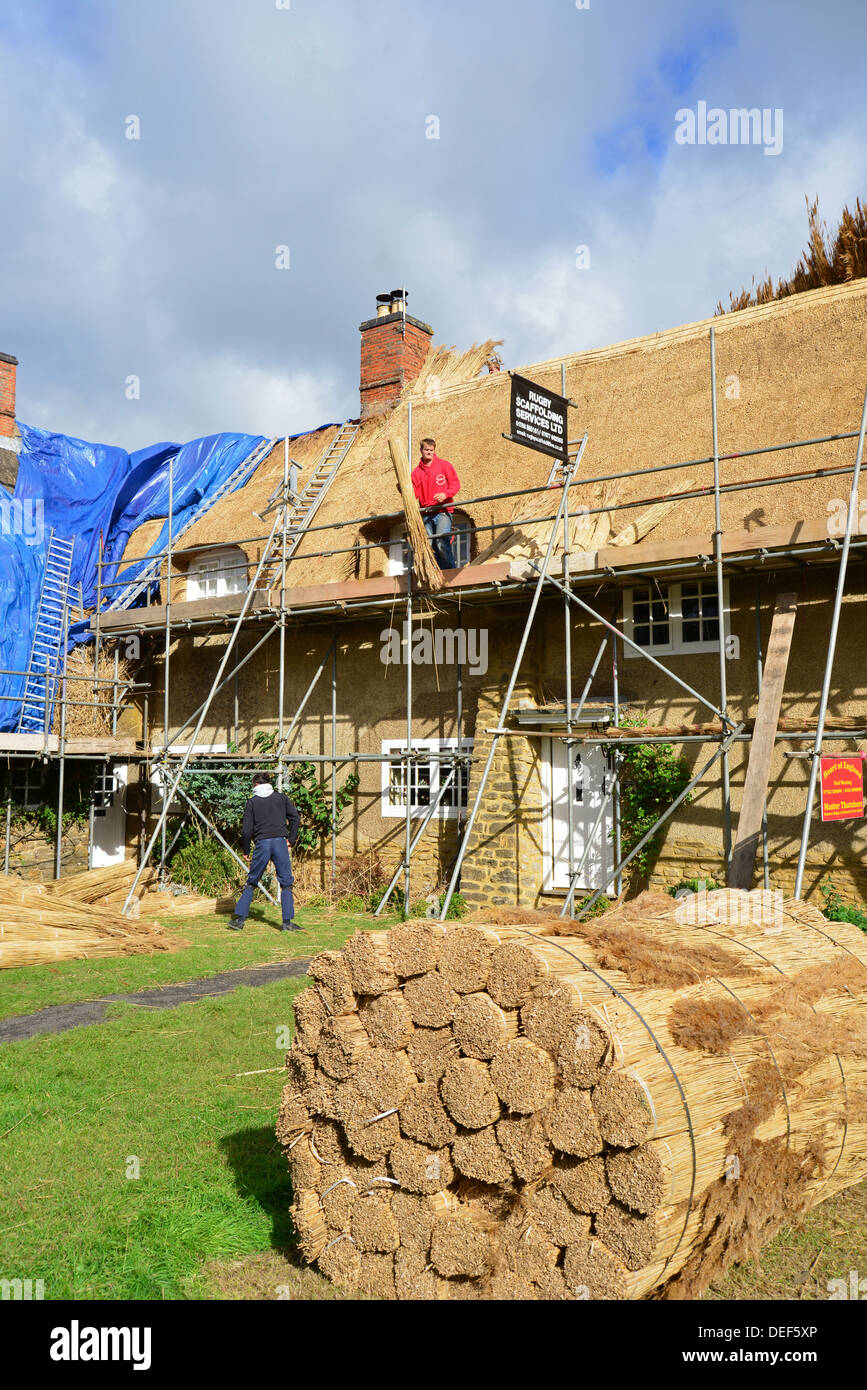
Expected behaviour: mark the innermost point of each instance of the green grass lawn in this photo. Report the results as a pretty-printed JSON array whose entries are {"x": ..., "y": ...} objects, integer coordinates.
[
  {"x": 207, "y": 1217},
  {"x": 209, "y": 948},
  {"x": 161, "y": 1087}
]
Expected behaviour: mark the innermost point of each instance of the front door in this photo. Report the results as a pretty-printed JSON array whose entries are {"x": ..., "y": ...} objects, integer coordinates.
[{"x": 591, "y": 795}]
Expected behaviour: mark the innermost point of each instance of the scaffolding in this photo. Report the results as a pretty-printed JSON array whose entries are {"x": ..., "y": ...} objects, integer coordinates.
[{"x": 274, "y": 609}]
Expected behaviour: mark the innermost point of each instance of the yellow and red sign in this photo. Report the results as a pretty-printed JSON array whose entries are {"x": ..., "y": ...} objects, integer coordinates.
[{"x": 842, "y": 788}]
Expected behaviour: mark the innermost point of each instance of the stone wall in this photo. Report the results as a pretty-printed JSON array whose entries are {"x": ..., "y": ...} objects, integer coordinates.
[{"x": 31, "y": 852}]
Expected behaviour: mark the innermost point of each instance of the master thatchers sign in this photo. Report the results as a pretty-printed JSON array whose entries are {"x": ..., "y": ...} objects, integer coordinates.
[{"x": 538, "y": 418}]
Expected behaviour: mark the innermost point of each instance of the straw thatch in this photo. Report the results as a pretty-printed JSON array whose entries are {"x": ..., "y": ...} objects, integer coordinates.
[
  {"x": 534, "y": 1175},
  {"x": 77, "y": 918}
]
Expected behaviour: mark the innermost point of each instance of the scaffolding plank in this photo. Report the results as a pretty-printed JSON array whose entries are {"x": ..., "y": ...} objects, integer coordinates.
[{"x": 762, "y": 745}]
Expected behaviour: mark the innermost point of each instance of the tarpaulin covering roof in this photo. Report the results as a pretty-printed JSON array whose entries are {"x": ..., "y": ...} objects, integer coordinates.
[{"x": 78, "y": 489}]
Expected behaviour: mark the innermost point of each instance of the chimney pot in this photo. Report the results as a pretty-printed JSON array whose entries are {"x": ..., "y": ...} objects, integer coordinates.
[{"x": 393, "y": 350}]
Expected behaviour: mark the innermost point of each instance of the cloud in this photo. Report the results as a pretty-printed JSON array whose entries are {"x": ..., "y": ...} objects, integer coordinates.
[{"x": 306, "y": 126}]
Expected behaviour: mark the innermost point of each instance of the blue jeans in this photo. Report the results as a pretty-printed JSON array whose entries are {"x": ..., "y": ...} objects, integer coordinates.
[
  {"x": 439, "y": 529},
  {"x": 264, "y": 852}
]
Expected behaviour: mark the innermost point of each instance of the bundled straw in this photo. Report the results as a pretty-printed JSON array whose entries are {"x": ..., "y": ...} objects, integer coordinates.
[
  {"x": 74, "y": 919},
  {"x": 424, "y": 563},
  {"x": 617, "y": 1113}
]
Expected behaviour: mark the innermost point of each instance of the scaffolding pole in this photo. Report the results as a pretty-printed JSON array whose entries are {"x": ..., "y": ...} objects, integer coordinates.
[
  {"x": 282, "y": 670},
  {"x": 224, "y": 682},
  {"x": 832, "y": 647},
  {"x": 543, "y": 574},
  {"x": 444, "y": 786},
  {"x": 618, "y": 868},
  {"x": 720, "y": 599},
  {"x": 168, "y": 648},
  {"x": 224, "y": 842},
  {"x": 334, "y": 762},
  {"x": 567, "y": 637},
  {"x": 615, "y": 764},
  {"x": 759, "y": 676},
  {"x": 169, "y": 797}
]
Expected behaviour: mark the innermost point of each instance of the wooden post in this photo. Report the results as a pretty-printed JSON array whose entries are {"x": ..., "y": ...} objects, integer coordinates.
[{"x": 762, "y": 746}]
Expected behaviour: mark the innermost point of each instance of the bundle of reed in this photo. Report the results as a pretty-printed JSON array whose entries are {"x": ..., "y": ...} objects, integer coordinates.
[
  {"x": 424, "y": 563},
  {"x": 104, "y": 885},
  {"x": 38, "y": 923},
  {"x": 620, "y": 1108},
  {"x": 185, "y": 904},
  {"x": 446, "y": 366}
]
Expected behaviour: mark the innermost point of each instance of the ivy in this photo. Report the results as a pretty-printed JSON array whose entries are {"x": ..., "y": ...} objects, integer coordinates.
[
  {"x": 652, "y": 775},
  {"x": 223, "y": 797}
]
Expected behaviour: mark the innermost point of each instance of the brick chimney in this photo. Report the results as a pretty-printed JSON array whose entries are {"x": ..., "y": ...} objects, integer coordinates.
[
  {"x": 9, "y": 441},
  {"x": 393, "y": 349}
]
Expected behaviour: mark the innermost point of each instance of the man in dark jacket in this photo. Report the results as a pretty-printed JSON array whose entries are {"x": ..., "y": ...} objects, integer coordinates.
[{"x": 271, "y": 822}]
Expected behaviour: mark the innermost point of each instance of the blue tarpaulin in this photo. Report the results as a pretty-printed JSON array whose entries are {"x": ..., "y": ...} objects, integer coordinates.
[{"x": 78, "y": 489}]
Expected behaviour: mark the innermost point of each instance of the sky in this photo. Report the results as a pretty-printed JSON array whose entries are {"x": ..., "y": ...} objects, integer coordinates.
[{"x": 466, "y": 150}]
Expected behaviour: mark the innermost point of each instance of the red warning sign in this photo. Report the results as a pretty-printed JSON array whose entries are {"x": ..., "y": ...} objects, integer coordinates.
[{"x": 842, "y": 788}]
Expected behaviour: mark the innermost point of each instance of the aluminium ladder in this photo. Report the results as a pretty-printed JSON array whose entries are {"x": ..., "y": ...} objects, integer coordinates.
[
  {"x": 151, "y": 570},
  {"x": 48, "y": 638},
  {"x": 304, "y": 507}
]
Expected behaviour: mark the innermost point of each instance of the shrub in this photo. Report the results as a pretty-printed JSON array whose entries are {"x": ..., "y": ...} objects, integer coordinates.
[
  {"x": 695, "y": 885},
  {"x": 207, "y": 868},
  {"x": 652, "y": 775},
  {"x": 836, "y": 910}
]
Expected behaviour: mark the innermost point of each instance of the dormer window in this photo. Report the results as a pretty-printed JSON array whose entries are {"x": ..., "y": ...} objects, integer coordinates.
[
  {"x": 217, "y": 573},
  {"x": 462, "y": 545}
]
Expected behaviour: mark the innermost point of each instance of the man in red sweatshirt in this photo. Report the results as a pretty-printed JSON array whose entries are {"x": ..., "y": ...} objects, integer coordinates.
[{"x": 435, "y": 484}]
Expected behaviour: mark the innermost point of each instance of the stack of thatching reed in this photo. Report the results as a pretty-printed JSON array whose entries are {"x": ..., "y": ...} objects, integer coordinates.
[
  {"x": 589, "y": 531},
  {"x": 501, "y": 1110},
  {"x": 75, "y": 918}
]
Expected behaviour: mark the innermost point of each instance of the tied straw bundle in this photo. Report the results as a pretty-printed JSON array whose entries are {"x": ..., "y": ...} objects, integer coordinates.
[
  {"x": 424, "y": 562},
  {"x": 611, "y": 1109}
]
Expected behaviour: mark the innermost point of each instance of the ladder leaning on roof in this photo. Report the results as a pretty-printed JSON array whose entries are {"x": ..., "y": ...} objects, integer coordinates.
[
  {"x": 151, "y": 569},
  {"x": 48, "y": 638},
  {"x": 304, "y": 507}
]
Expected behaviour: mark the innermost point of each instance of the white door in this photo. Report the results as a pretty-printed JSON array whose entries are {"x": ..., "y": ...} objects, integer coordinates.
[
  {"x": 591, "y": 794},
  {"x": 109, "y": 823}
]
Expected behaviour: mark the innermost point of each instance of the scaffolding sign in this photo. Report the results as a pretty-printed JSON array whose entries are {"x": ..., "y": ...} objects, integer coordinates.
[
  {"x": 537, "y": 418},
  {"x": 843, "y": 788}
]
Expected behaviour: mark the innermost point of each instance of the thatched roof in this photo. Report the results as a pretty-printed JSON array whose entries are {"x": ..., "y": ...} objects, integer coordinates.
[{"x": 786, "y": 370}]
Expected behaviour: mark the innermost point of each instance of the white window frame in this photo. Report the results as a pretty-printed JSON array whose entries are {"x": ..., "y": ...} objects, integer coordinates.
[
  {"x": 676, "y": 646},
  {"x": 398, "y": 546},
  {"x": 217, "y": 573},
  {"x": 392, "y": 811}
]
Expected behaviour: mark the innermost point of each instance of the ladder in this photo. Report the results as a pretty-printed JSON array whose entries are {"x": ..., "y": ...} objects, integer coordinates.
[
  {"x": 48, "y": 638},
  {"x": 125, "y": 597},
  {"x": 304, "y": 507}
]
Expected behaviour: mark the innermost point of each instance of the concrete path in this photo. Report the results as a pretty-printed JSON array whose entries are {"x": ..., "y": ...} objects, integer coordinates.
[{"x": 61, "y": 1017}]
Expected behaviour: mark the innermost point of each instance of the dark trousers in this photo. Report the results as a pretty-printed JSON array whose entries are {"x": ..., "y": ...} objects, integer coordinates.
[{"x": 265, "y": 852}]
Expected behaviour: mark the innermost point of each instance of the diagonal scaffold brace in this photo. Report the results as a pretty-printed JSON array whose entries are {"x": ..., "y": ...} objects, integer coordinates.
[
  {"x": 816, "y": 753},
  {"x": 170, "y": 794},
  {"x": 568, "y": 470}
]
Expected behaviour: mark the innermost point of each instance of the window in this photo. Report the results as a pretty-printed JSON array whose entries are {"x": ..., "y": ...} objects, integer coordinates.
[
  {"x": 462, "y": 546},
  {"x": 672, "y": 618},
  {"x": 27, "y": 784},
  {"x": 427, "y": 775},
  {"x": 217, "y": 573}
]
